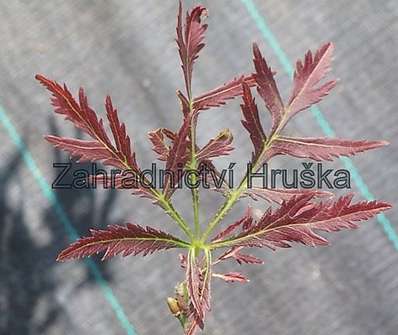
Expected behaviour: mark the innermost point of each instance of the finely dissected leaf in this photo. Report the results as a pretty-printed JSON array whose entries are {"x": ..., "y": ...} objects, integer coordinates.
[
  {"x": 232, "y": 277},
  {"x": 321, "y": 148},
  {"x": 192, "y": 327},
  {"x": 278, "y": 195},
  {"x": 267, "y": 88},
  {"x": 163, "y": 139},
  {"x": 235, "y": 253},
  {"x": 184, "y": 103},
  {"x": 251, "y": 121},
  {"x": 81, "y": 116},
  {"x": 122, "y": 140},
  {"x": 219, "y": 146},
  {"x": 216, "y": 147},
  {"x": 84, "y": 117},
  {"x": 178, "y": 155},
  {"x": 190, "y": 39},
  {"x": 198, "y": 276},
  {"x": 121, "y": 240},
  {"x": 245, "y": 222},
  {"x": 158, "y": 137},
  {"x": 220, "y": 95},
  {"x": 298, "y": 219},
  {"x": 193, "y": 276},
  {"x": 84, "y": 150},
  {"x": 307, "y": 76}
]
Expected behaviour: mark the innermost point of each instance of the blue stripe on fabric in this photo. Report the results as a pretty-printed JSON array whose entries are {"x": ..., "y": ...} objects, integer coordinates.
[
  {"x": 319, "y": 117},
  {"x": 63, "y": 218}
]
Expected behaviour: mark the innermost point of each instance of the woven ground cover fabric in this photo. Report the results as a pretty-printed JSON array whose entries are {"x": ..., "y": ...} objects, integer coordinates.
[{"x": 127, "y": 49}]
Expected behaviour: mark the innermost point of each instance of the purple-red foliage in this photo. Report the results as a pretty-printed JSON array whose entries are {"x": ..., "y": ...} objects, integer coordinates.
[{"x": 300, "y": 216}]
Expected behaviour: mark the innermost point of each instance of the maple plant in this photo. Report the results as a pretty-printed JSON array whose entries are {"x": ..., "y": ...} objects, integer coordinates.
[{"x": 298, "y": 216}]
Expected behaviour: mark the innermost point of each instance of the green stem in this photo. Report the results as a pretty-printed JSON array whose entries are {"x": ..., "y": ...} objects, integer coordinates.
[
  {"x": 235, "y": 194},
  {"x": 225, "y": 208},
  {"x": 194, "y": 166},
  {"x": 195, "y": 205},
  {"x": 168, "y": 207},
  {"x": 174, "y": 214}
]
